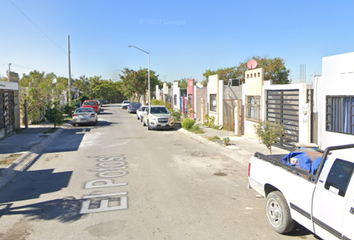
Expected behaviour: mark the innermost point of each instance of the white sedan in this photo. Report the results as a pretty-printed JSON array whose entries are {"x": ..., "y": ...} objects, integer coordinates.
[
  {"x": 84, "y": 116},
  {"x": 140, "y": 111}
]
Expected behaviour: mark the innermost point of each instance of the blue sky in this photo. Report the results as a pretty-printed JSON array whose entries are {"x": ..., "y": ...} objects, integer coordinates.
[{"x": 184, "y": 38}]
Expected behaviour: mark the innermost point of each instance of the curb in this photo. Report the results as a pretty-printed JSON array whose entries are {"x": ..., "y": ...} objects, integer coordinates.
[
  {"x": 221, "y": 149},
  {"x": 8, "y": 173}
]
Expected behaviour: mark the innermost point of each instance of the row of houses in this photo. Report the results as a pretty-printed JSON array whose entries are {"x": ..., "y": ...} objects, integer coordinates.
[{"x": 320, "y": 113}]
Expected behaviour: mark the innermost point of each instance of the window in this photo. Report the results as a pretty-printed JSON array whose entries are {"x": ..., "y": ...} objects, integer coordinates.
[
  {"x": 190, "y": 101},
  {"x": 213, "y": 102},
  {"x": 253, "y": 108},
  {"x": 339, "y": 177},
  {"x": 340, "y": 114},
  {"x": 175, "y": 99}
]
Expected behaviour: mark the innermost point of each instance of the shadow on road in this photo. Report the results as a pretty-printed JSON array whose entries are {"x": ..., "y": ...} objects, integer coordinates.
[
  {"x": 32, "y": 184},
  {"x": 64, "y": 210}
]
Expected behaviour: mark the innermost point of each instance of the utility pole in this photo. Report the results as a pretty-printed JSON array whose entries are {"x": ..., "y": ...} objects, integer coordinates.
[
  {"x": 69, "y": 69},
  {"x": 8, "y": 74}
]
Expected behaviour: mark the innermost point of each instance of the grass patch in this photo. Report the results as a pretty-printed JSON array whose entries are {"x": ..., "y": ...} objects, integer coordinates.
[
  {"x": 213, "y": 139},
  {"x": 10, "y": 159},
  {"x": 51, "y": 130}
]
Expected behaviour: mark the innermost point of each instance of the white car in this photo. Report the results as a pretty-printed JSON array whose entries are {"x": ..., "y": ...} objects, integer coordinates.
[
  {"x": 84, "y": 116},
  {"x": 140, "y": 111},
  {"x": 158, "y": 118},
  {"x": 125, "y": 104}
]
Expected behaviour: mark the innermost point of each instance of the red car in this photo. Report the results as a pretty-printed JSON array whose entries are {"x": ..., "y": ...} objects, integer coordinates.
[{"x": 92, "y": 104}]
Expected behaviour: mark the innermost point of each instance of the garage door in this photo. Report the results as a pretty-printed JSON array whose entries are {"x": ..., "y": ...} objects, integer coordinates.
[{"x": 283, "y": 106}]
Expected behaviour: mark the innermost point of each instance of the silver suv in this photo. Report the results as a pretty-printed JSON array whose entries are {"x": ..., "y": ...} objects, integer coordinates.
[{"x": 158, "y": 118}]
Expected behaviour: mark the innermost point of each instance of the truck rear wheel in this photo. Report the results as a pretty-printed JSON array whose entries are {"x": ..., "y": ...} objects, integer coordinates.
[{"x": 278, "y": 213}]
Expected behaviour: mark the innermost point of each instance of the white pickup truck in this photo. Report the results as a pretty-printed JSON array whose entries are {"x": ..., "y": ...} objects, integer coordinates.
[{"x": 320, "y": 198}]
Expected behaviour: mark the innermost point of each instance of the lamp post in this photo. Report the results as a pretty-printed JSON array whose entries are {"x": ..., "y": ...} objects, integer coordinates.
[{"x": 148, "y": 72}]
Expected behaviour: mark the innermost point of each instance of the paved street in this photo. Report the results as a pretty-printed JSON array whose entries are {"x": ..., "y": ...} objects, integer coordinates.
[{"x": 117, "y": 180}]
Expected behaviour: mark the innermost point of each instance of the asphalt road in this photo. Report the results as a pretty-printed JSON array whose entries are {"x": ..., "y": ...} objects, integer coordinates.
[{"x": 117, "y": 180}]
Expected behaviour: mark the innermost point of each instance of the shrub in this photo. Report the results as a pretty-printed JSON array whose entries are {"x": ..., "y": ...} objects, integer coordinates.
[
  {"x": 160, "y": 102},
  {"x": 209, "y": 121},
  {"x": 176, "y": 114},
  {"x": 196, "y": 129},
  {"x": 69, "y": 108},
  {"x": 54, "y": 114},
  {"x": 226, "y": 141},
  {"x": 268, "y": 132},
  {"x": 187, "y": 123}
]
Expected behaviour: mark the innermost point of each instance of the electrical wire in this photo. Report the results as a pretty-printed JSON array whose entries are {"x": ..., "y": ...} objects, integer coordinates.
[{"x": 37, "y": 27}]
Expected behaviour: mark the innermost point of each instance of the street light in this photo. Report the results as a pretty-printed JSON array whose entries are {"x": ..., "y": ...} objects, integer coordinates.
[{"x": 148, "y": 72}]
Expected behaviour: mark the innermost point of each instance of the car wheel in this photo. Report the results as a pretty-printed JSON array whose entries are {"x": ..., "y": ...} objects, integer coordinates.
[{"x": 278, "y": 213}]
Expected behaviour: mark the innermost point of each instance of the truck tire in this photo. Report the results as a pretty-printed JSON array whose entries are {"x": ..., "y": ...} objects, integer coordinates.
[{"x": 278, "y": 213}]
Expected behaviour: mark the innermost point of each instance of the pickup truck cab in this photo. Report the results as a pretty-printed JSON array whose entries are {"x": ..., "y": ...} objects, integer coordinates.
[{"x": 321, "y": 199}]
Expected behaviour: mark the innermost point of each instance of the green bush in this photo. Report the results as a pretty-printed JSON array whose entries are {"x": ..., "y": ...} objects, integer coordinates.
[
  {"x": 196, "y": 129},
  {"x": 69, "y": 108},
  {"x": 160, "y": 102},
  {"x": 187, "y": 123},
  {"x": 176, "y": 114},
  {"x": 54, "y": 114},
  {"x": 269, "y": 132}
]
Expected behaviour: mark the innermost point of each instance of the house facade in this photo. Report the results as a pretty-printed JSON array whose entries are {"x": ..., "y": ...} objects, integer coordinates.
[{"x": 334, "y": 100}]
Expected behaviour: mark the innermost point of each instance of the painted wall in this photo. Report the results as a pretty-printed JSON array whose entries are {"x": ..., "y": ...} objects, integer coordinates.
[
  {"x": 176, "y": 91},
  {"x": 190, "y": 91},
  {"x": 254, "y": 80},
  {"x": 158, "y": 93},
  {"x": 337, "y": 79},
  {"x": 215, "y": 86}
]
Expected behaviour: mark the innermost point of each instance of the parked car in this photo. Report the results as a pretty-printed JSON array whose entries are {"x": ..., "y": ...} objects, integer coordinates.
[
  {"x": 125, "y": 104},
  {"x": 84, "y": 115},
  {"x": 92, "y": 104},
  {"x": 133, "y": 107},
  {"x": 140, "y": 111},
  {"x": 158, "y": 118}
]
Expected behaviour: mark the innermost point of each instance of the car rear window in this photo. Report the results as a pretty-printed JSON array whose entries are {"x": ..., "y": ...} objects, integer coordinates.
[
  {"x": 84, "y": 110},
  {"x": 90, "y": 103}
]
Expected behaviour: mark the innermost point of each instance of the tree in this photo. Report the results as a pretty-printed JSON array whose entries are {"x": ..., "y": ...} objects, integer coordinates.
[
  {"x": 37, "y": 90},
  {"x": 135, "y": 83},
  {"x": 224, "y": 74},
  {"x": 268, "y": 132},
  {"x": 274, "y": 69}
]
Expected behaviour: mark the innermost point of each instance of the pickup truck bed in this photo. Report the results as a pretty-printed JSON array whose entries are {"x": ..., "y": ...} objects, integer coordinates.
[{"x": 321, "y": 201}]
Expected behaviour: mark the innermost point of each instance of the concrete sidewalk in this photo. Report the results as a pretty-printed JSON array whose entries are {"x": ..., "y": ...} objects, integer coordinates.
[
  {"x": 20, "y": 150},
  {"x": 240, "y": 148},
  {"x": 17, "y": 152}
]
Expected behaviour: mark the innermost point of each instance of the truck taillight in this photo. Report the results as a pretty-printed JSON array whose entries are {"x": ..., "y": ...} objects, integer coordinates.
[
  {"x": 249, "y": 169},
  {"x": 74, "y": 115},
  {"x": 92, "y": 115}
]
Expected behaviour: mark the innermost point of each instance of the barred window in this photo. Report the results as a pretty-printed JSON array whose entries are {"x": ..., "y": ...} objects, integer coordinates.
[
  {"x": 213, "y": 102},
  {"x": 340, "y": 114},
  {"x": 175, "y": 99},
  {"x": 253, "y": 108}
]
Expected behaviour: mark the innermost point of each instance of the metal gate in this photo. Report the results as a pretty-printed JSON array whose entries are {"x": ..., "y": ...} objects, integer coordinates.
[
  {"x": 282, "y": 106},
  {"x": 229, "y": 114},
  {"x": 7, "y": 104}
]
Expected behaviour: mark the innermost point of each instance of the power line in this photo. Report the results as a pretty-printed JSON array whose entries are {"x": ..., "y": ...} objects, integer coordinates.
[{"x": 37, "y": 26}]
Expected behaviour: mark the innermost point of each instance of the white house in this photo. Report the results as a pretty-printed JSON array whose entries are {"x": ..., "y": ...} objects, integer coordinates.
[{"x": 335, "y": 100}]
